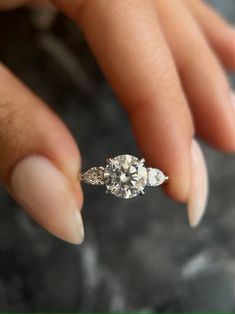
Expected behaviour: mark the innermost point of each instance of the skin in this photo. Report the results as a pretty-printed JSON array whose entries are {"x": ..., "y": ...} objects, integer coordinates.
[{"x": 169, "y": 76}]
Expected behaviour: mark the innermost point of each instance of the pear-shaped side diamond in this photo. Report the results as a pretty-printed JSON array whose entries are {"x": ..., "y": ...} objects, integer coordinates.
[
  {"x": 94, "y": 176},
  {"x": 155, "y": 177}
]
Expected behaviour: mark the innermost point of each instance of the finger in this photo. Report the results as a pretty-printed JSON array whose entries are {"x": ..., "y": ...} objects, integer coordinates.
[
  {"x": 11, "y": 4},
  {"x": 203, "y": 78},
  {"x": 219, "y": 33},
  {"x": 39, "y": 160},
  {"x": 130, "y": 48}
]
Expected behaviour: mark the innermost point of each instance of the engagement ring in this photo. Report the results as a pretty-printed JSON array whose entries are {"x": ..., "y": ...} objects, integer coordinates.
[{"x": 124, "y": 176}]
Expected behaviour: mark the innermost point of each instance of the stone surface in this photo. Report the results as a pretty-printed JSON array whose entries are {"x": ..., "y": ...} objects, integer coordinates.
[
  {"x": 125, "y": 176},
  {"x": 138, "y": 255}
]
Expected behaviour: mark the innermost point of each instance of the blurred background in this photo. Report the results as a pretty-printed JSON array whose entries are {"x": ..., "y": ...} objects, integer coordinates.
[{"x": 138, "y": 254}]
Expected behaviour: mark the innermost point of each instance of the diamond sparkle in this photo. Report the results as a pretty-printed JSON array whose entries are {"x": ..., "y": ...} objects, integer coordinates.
[
  {"x": 155, "y": 177},
  {"x": 125, "y": 176},
  {"x": 94, "y": 176}
]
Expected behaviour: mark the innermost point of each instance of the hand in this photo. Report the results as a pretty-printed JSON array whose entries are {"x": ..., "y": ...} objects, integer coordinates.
[{"x": 164, "y": 59}]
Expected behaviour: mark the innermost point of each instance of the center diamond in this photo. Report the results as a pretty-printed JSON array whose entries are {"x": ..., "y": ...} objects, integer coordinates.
[{"x": 125, "y": 176}]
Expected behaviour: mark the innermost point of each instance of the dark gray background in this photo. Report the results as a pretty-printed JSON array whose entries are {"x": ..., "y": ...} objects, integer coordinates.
[{"x": 138, "y": 255}]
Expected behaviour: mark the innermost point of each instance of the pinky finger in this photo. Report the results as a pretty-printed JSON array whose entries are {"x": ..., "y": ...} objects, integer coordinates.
[{"x": 219, "y": 33}]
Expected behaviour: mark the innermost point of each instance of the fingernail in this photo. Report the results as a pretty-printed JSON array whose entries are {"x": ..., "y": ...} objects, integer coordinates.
[
  {"x": 46, "y": 195},
  {"x": 198, "y": 193}
]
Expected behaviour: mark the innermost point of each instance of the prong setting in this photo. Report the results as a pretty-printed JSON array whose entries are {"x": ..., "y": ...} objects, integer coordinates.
[{"x": 109, "y": 160}]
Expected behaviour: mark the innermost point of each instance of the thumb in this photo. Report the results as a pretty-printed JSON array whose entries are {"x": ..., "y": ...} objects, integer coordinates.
[{"x": 39, "y": 160}]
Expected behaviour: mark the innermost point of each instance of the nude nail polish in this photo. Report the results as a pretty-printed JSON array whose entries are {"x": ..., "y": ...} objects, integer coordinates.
[
  {"x": 198, "y": 193},
  {"x": 44, "y": 192}
]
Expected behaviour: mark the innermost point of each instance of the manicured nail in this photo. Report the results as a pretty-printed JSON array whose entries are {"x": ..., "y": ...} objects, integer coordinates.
[
  {"x": 45, "y": 193},
  {"x": 198, "y": 194}
]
